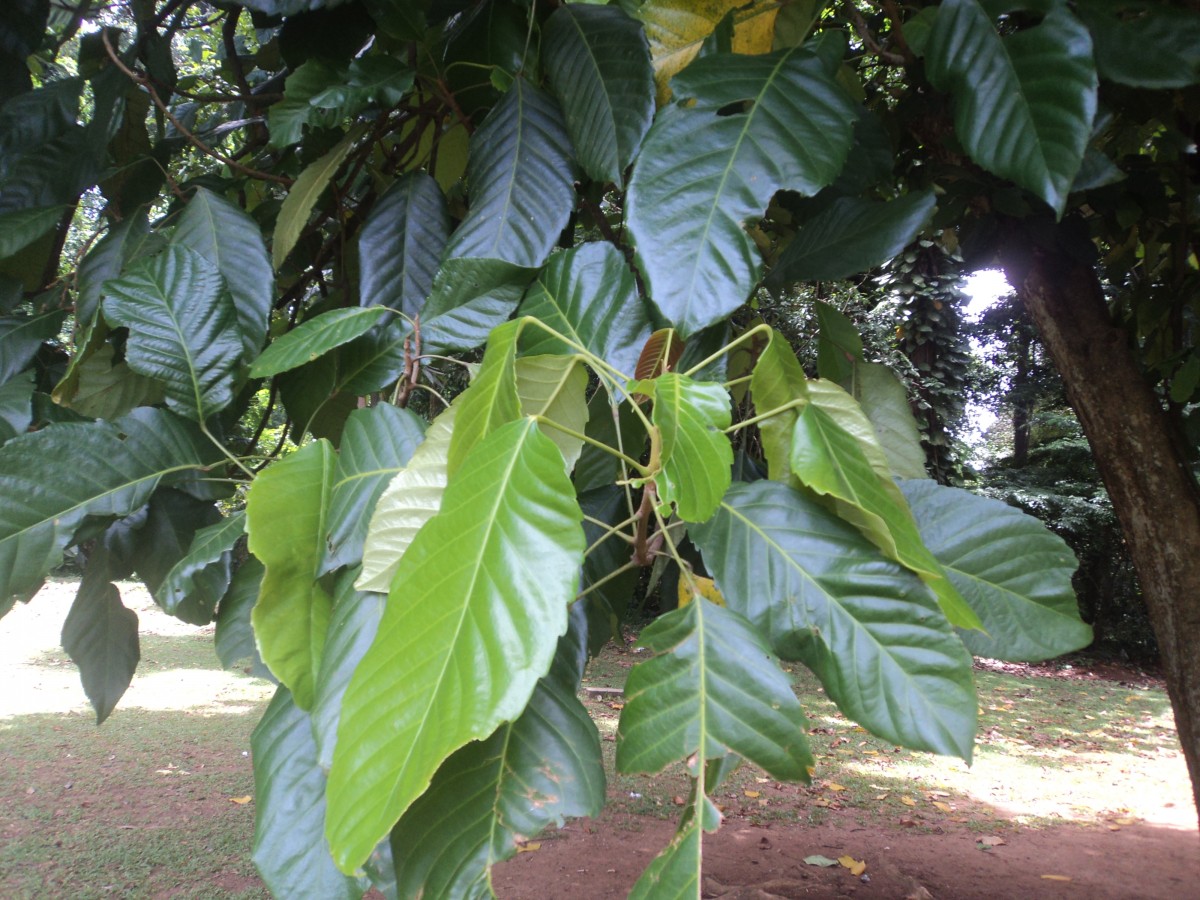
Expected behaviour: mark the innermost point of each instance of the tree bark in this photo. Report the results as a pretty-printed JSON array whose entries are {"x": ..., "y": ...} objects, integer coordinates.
[{"x": 1141, "y": 460}]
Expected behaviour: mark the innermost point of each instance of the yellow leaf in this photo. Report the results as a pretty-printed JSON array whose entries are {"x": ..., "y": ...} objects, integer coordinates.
[
  {"x": 856, "y": 866},
  {"x": 753, "y": 793},
  {"x": 529, "y": 847},
  {"x": 1057, "y": 877},
  {"x": 706, "y": 588},
  {"x": 754, "y": 32},
  {"x": 241, "y": 800},
  {"x": 908, "y": 801},
  {"x": 880, "y": 797},
  {"x": 944, "y": 807}
]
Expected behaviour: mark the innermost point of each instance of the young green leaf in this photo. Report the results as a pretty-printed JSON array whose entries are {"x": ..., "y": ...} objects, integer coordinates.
[
  {"x": 473, "y": 616},
  {"x": 491, "y": 401},
  {"x": 778, "y": 380},
  {"x": 555, "y": 387},
  {"x": 287, "y": 511}
]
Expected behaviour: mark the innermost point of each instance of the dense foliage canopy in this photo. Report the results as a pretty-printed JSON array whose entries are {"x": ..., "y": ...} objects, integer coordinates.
[{"x": 220, "y": 218}]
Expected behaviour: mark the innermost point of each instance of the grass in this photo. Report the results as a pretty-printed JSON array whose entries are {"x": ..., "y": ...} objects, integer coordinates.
[{"x": 144, "y": 805}]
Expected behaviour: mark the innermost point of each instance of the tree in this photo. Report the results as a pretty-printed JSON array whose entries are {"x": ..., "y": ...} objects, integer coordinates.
[{"x": 341, "y": 205}]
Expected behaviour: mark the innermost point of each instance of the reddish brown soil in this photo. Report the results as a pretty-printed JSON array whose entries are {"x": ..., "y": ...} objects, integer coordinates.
[{"x": 595, "y": 861}]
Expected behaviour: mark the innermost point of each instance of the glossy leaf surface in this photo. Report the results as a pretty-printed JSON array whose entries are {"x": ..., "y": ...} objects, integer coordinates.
[{"x": 474, "y": 613}]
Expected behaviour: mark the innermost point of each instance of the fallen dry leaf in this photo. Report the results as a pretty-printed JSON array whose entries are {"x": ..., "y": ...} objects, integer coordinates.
[
  {"x": 529, "y": 847},
  {"x": 944, "y": 807},
  {"x": 753, "y": 794},
  {"x": 822, "y": 861},
  {"x": 1124, "y": 821},
  {"x": 856, "y": 866},
  {"x": 834, "y": 786},
  {"x": 241, "y": 800},
  {"x": 908, "y": 801},
  {"x": 1057, "y": 877}
]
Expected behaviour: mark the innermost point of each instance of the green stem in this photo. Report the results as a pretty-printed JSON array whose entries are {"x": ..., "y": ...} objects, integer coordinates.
[
  {"x": 599, "y": 445},
  {"x": 745, "y": 423},
  {"x": 732, "y": 345},
  {"x": 233, "y": 459},
  {"x": 607, "y": 578}
]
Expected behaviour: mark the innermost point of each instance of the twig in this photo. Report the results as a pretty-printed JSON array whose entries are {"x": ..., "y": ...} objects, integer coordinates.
[
  {"x": 199, "y": 144},
  {"x": 896, "y": 17},
  {"x": 864, "y": 32}
]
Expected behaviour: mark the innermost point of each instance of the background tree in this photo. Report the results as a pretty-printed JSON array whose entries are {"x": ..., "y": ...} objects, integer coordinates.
[{"x": 342, "y": 203}]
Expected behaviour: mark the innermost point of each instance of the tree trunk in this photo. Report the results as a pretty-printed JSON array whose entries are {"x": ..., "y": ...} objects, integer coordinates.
[
  {"x": 1141, "y": 459},
  {"x": 1021, "y": 398}
]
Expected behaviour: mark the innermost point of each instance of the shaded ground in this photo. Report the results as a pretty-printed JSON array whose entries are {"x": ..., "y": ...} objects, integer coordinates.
[{"x": 1077, "y": 776}]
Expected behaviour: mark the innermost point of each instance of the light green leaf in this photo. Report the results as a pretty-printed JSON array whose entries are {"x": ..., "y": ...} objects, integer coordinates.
[
  {"x": 352, "y": 628},
  {"x": 598, "y": 63},
  {"x": 410, "y": 500},
  {"x": 290, "y": 850},
  {"x": 492, "y": 795},
  {"x": 303, "y": 196},
  {"x": 234, "y": 638},
  {"x": 823, "y": 595},
  {"x": 51, "y": 479},
  {"x": 314, "y": 338},
  {"x": 835, "y": 452},
  {"x": 702, "y": 177},
  {"x": 696, "y": 455},
  {"x": 1024, "y": 104},
  {"x": 850, "y": 236},
  {"x": 1013, "y": 571},
  {"x": 555, "y": 387},
  {"x": 473, "y": 616},
  {"x": 521, "y": 179},
  {"x": 588, "y": 294},
  {"x": 885, "y": 402},
  {"x": 182, "y": 329},
  {"x": 491, "y": 401},
  {"x": 232, "y": 242},
  {"x": 206, "y": 568},
  {"x": 401, "y": 244},
  {"x": 778, "y": 380},
  {"x": 101, "y": 637},
  {"x": 710, "y": 688},
  {"x": 377, "y": 442},
  {"x": 287, "y": 509}
]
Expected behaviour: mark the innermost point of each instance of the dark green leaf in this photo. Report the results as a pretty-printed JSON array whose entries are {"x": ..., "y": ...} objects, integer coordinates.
[
  {"x": 710, "y": 688},
  {"x": 1159, "y": 49},
  {"x": 288, "y": 116},
  {"x": 182, "y": 329},
  {"x": 21, "y": 336},
  {"x": 401, "y": 244},
  {"x": 521, "y": 179},
  {"x": 16, "y": 407},
  {"x": 483, "y": 589},
  {"x": 105, "y": 262},
  {"x": 840, "y": 347},
  {"x": 617, "y": 426},
  {"x": 314, "y": 338},
  {"x": 205, "y": 571},
  {"x": 1024, "y": 104},
  {"x": 470, "y": 297},
  {"x": 21, "y": 227},
  {"x": 822, "y": 594},
  {"x": 163, "y": 541},
  {"x": 231, "y": 241},
  {"x": 1013, "y": 571},
  {"x": 598, "y": 63},
  {"x": 702, "y": 177},
  {"x": 492, "y": 795},
  {"x": 51, "y": 479},
  {"x": 588, "y": 295},
  {"x": 287, "y": 509},
  {"x": 377, "y": 443},
  {"x": 101, "y": 637},
  {"x": 290, "y": 850},
  {"x": 234, "y": 638},
  {"x": 852, "y": 235},
  {"x": 98, "y": 388},
  {"x": 606, "y": 604},
  {"x": 352, "y": 628}
]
